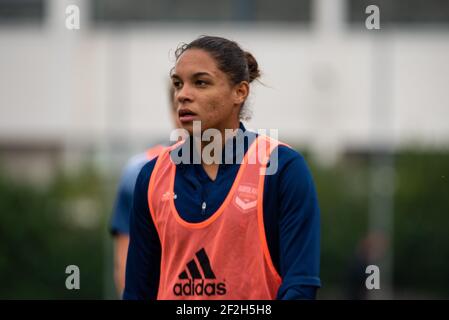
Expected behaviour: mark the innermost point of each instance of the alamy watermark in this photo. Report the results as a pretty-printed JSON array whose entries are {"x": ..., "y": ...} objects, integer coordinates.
[
  {"x": 72, "y": 20},
  {"x": 372, "y": 22},
  {"x": 373, "y": 280},
  {"x": 209, "y": 145},
  {"x": 72, "y": 282}
]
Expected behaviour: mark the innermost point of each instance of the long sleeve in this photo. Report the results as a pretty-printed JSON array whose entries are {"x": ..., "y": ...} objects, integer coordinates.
[
  {"x": 144, "y": 253},
  {"x": 299, "y": 229}
]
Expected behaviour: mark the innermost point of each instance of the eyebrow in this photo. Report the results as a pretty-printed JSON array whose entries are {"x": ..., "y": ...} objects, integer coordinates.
[{"x": 195, "y": 75}]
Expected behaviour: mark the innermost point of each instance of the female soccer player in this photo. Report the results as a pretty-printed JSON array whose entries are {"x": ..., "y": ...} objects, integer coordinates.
[{"x": 225, "y": 230}]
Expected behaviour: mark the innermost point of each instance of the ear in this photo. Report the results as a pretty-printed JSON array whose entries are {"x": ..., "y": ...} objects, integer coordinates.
[{"x": 241, "y": 91}]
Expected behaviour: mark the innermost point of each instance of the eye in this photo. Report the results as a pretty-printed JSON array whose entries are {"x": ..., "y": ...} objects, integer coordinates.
[
  {"x": 201, "y": 83},
  {"x": 177, "y": 84}
]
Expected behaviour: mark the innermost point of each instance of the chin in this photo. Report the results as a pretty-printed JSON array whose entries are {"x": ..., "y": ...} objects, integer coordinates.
[{"x": 188, "y": 126}]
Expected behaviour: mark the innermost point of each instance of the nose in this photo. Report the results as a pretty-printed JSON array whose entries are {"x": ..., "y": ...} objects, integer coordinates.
[{"x": 184, "y": 94}]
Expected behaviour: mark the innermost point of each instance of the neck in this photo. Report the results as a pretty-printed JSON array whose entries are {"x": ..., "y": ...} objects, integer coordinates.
[
  {"x": 222, "y": 137},
  {"x": 225, "y": 134}
]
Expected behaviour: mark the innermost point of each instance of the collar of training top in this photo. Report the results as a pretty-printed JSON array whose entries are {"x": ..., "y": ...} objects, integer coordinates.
[{"x": 232, "y": 152}]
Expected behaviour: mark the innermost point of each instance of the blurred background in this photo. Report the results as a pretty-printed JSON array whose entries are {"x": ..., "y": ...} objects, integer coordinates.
[{"x": 369, "y": 110}]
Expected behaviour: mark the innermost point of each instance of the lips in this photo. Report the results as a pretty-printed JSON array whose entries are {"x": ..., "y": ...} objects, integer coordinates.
[{"x": 186, "y": 115}]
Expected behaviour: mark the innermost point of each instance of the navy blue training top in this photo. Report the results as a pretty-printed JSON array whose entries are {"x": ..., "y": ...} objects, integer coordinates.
[{"x": 291, "y": 219}]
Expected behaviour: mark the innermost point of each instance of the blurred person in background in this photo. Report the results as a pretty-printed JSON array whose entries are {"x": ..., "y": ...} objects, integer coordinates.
[
  {"x": 370, "y": 251},
  {"x": 119, "y": 225},
  {"x": 222, "y": 230}
]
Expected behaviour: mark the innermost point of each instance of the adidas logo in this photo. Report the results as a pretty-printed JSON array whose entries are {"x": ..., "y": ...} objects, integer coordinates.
[{"x": 199, "y": 284}]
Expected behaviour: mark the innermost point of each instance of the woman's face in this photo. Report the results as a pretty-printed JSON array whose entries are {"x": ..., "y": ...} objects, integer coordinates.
[{"x": 204, "y": 93}]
